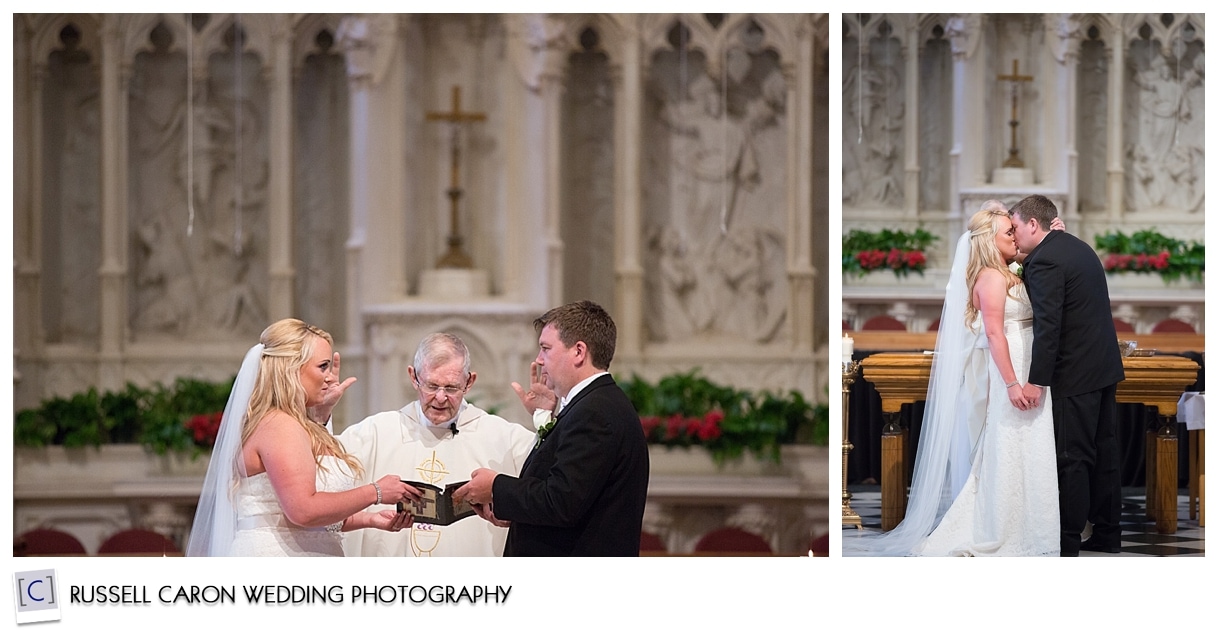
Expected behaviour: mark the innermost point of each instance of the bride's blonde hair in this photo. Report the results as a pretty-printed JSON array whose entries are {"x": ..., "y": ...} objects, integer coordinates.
[
  {"x": 983, "y": 251},
  {"x": 287, "y": 348}
]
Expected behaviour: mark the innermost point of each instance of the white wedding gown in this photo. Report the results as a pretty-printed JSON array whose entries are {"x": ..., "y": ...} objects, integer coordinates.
[
  {"x": 1008, "y": 506},
  {"x": 262, "y": 528}
]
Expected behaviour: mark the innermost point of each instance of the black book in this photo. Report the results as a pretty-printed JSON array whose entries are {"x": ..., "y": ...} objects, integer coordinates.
[{"x": 436, "y": 506}]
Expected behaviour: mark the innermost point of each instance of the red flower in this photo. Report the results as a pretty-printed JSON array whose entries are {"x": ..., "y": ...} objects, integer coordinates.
[
  {"x": 205, "y": 427},
  {"x": 894, "y": 258},
  {"x": 870, "y": 259},
  {"x": 650, "y": 423},
  {"x": 709, "y": 429},
  {"x": 674, "y": 426},
  {"x": 915, "y": 259}
]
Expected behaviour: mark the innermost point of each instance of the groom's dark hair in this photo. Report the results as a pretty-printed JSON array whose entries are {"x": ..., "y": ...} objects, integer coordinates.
[
  {"x": 587, "y": 322},
  {"x": 1036, "y": 207}
]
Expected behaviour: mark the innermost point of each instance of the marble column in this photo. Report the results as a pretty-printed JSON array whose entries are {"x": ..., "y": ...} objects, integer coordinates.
[
  {"x": 628, "y": 193},
  {"x": 1115, "y": 52},
  {"x": 912, "y": 49},
  {"x": 1066, "y": 29},
  {"x": 800, "y": 273},
  {"x": 533, "y": 109},
  {"x": 279, "y": 188},
  {"x": 376, "y": 266},
  {"x": 27, "y": 227},
  {"x": 113, "y": 272},
  {"x": 968, "y": 122}
]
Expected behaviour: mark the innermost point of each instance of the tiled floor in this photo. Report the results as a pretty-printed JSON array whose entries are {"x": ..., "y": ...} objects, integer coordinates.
[{"x": 1138, "y": 537}]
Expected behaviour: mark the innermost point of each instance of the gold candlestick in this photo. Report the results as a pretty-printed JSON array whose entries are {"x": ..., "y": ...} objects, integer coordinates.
[{"x": 849, "y": 370}]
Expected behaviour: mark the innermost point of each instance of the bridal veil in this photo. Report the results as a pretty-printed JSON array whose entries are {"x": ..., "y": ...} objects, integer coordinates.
[
  {"x": 954, "y": 398},
  {"x": 215, "y": 522}
]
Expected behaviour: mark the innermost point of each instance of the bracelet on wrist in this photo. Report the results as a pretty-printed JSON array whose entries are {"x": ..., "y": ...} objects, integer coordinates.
[
  {"x": 378, "y": 492},
  {"x": 1013, "y": 383}
]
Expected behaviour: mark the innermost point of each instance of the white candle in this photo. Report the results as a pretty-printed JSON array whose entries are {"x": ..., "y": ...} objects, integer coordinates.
[{"x": 847, "y": 349}]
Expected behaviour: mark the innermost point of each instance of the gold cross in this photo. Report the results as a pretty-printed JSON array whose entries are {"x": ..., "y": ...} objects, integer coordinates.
[
  {"x": 1014, "y": 76},
  {"x": 455, "y": 256},
  {"x": 1013, "y": 159},
  {"x": 456, "y": 115}
]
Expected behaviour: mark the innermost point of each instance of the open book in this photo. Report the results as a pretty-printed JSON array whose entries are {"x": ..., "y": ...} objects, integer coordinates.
[{"x": 436, "y": 506}]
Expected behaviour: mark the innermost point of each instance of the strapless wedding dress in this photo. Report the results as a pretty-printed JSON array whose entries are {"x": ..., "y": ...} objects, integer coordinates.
[
  {"x": 263, "y": 530},
  {"x": 1008, "y": 506}
]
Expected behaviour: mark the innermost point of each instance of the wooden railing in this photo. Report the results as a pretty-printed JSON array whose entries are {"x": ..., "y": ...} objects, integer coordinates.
[{"x": 907, "y": 341}]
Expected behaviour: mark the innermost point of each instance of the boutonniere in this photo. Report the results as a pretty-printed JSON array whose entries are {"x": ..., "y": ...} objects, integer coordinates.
[
  {"x": 1016, "y": 269},
  {"x": 543, "y": 421}
]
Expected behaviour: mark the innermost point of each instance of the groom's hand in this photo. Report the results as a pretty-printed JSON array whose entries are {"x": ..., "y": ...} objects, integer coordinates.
[
  {"x": 1032, "y": 393},
  {"x": 539, "y": 395},
  {"x": 478, "y": 489},
  {"x": 487, "y": 512}
]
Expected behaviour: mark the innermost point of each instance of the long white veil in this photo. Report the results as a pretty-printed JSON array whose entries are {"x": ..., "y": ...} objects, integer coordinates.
[
  {"x": 216, "y": 518},
  {"x": 942, "y": 463}
]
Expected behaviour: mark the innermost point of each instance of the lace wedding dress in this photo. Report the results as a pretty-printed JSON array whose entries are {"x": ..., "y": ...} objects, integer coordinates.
[
  {"x": 263, "y": 529},
  {"x": 1008, "y": 506}
]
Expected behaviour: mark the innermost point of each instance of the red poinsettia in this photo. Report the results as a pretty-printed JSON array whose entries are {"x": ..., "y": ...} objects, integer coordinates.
[
  {"x": 1137, "y": 262},
  {"x": 205, "y": 427}
]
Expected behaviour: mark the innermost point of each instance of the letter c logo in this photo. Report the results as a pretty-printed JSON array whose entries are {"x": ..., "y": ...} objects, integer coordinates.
[{"x": 29, "y": 590}]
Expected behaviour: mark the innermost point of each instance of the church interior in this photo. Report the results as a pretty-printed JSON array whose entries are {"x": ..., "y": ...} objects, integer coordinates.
[
  {"x": 183, "y": 180},
  {"x": 1101, "y": 113}
]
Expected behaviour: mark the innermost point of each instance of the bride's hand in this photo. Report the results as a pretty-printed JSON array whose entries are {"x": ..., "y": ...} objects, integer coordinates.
[
  {"x": 390, "y": 520},
  {"x": 394, "y": 490},
  {"x": 1015, "y": 393}
]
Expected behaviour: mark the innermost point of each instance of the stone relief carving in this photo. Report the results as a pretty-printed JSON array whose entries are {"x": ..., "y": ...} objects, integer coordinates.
[
  {"x": 536, "y": 47},
  {"x": 201, "y": 171},
  {"x": 368, "y": 43},
  {"x": 1067, "y": 34},
  {"x": 1093, "y": 69},
  {"x": 718, "y": 259},
  {"x": 963, "y": 30},
  {"x": 873, "y": 131},
  {"x": 78, "y": 192},
  {"x": 1165, "y": 154},
  {"x": 934, "y": 124}
]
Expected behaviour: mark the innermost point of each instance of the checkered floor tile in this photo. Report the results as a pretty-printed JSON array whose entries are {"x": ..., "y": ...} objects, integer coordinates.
[{"x": 1138, "y": 536}]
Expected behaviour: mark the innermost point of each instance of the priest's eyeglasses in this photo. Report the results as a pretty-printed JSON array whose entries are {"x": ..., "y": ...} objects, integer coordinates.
[{"x": 432, "y": 389}]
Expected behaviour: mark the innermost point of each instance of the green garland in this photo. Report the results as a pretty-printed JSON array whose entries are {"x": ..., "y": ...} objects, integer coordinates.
[
  {"x": 901, "y": 252},
  {"x": 182, "y": 418},
  {"x": 687, "y": 409},
  {"x": 1148, "y": 252}
]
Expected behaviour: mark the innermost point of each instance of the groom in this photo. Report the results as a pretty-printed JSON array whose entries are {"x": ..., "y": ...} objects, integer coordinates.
[
  {"x": 1074, "y": 351},
  {"x": 583, "y": 489}
]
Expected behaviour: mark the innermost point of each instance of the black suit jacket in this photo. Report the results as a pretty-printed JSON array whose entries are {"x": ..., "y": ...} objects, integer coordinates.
[
  {"x": 1074, "y": 346},
  {"x": 582, "y": 491}
]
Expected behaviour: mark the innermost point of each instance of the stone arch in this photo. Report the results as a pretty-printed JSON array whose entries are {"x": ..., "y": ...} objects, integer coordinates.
[{"x": 46, "y": 30}]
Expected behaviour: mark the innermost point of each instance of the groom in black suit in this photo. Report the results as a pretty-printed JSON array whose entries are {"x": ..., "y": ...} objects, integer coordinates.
[
  {"x": 582, "y": 490},
  {"x": 1074, "y": 352}
]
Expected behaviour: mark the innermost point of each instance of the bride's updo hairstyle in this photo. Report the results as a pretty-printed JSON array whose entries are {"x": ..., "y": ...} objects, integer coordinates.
[
  {"x": 287, "y": 346},
  {"x": 983, "y": 227}
]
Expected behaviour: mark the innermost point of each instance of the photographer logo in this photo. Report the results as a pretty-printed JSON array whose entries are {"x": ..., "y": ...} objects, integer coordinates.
[{"x": 37, "y": 596}]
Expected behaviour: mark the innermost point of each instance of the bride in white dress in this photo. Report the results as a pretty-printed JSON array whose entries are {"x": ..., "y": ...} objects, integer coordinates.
[
  {"x": 279, "y": 484},
  {"x": 985, "y": 475}
]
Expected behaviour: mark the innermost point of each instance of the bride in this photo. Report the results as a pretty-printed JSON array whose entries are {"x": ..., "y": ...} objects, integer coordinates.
[
  {"x": 985, "y": 475},
  {"x": 279, "y": 484}
]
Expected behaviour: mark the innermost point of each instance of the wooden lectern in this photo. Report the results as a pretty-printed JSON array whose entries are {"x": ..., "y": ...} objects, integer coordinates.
[{"x": 1156, "y": 381}]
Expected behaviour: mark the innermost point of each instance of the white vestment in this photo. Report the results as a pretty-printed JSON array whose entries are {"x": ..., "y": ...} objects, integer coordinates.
[{"x": 406, "y": 444}]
